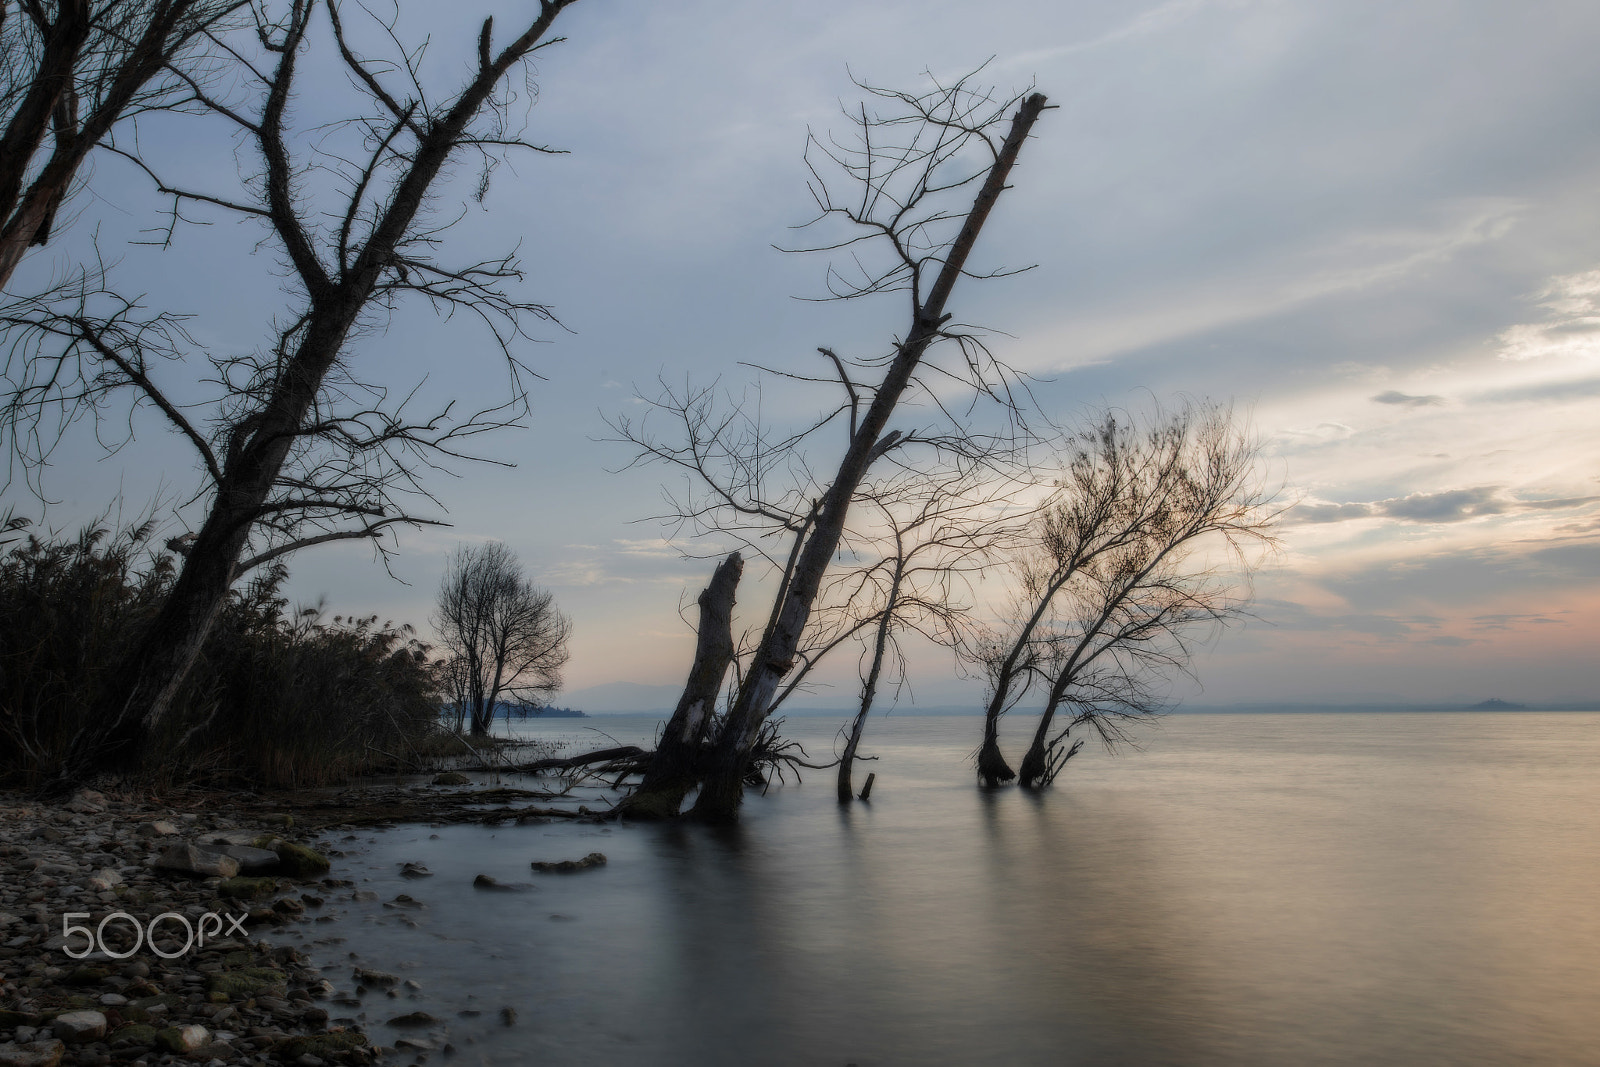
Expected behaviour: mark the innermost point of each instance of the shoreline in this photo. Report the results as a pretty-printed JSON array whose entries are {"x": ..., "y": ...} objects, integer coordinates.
[{"x": 229, "y": 995}]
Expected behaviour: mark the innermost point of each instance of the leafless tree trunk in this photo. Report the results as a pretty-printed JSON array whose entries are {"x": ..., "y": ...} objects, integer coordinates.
[
  {"x": 721, "y": 789},
  {"x": 375, "y": 253},
  {"x": 672, "y": 770}
]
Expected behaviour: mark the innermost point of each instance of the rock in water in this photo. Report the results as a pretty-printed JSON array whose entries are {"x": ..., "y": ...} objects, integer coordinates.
[
  {"x": 484, "y": 881},
  {"x": 451, "y": 778},
  {"x": 593, "y": 859},
  {"x": 298, "y": 861}
]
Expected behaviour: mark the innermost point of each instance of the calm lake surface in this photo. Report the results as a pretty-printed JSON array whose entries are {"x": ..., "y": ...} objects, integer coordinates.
[{"x": 1248, "y": 889}]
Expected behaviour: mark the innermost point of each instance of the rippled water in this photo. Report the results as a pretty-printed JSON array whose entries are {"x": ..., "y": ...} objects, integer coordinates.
[{"x": 1250, "y": 889}]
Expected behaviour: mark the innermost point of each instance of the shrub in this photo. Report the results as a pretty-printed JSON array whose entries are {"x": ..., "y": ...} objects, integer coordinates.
[{"x": 278, "y": 699}]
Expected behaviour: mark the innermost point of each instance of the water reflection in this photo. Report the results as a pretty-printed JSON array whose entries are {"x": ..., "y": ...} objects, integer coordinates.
[{"x": 1251, "y": 890}]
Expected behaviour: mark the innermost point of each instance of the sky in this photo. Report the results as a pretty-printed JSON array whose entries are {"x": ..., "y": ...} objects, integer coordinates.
[{"x": 1373, "y": 228}]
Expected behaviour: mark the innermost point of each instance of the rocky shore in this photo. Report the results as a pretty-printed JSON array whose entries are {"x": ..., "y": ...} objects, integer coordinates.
[{"x": 135, "y": 933}]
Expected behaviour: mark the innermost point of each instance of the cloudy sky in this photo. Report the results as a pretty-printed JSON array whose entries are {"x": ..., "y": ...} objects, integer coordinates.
[{"x": 1374, "y": 227}]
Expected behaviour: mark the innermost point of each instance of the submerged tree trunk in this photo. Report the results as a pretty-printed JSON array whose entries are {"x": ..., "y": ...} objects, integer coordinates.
[
  {"x": 992, "y": 766},
  {"x": 722, "y": 788},
  {"x": 672, "y": 770},
  {"x": 1035, "y": 763},
  {"x": 869, "y": 687}
]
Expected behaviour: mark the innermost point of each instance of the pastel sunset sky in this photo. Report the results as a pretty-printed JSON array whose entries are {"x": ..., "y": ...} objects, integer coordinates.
[{"x": 1373, "y": 227}]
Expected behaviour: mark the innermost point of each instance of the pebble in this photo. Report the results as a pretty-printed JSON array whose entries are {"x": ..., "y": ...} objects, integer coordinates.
[{"x": 100, "y": 854}]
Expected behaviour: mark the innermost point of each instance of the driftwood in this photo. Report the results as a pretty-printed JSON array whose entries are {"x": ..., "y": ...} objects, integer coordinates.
[{"x": 568, "y": 763}]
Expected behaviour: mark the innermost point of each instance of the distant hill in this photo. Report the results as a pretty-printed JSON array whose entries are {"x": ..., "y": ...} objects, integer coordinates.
[{"x": 1496, "y": 704}]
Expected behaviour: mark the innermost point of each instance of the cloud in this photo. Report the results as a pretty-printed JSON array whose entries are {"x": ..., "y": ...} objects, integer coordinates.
[
  {"x": 1569, "y": 389},
  {"x": 1449, "y": 505},
  {"x": 1394, "y": 396},
  {"x": 1288, "y": 615},
  {"x": 1572, "y": 328}
]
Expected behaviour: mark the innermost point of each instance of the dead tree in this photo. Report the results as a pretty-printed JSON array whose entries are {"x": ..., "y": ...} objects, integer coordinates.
[
  {"x": 673, "y": 767},
  {"x": 503, "y": 635},
  {"x": 303, "y": 451},
  {"x": 901, "y": 174},
  {"x": 1150, "y": 547},
  {"x": 935, "y": 531},
  {"x": 70, "y": 71}
]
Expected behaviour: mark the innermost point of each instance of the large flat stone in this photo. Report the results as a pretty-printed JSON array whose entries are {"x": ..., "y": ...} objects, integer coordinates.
[
  {"x": 31, "y": 1054},
  {"x": 192, "y": 860},
  {"x": 80, "y": 1027}
]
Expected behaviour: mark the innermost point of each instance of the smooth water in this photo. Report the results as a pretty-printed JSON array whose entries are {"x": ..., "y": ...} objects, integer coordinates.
[{"x": 1248, "y": 889}]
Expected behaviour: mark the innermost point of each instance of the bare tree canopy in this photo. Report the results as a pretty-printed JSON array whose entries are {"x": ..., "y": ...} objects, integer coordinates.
[
  {"x": 70, "y": 71},
  {"x": 1147, "y": 546},
  {"x": 295, "y": 447},
  {"x": 503, "y": 636},
  {"x": 902, "y": 200}
]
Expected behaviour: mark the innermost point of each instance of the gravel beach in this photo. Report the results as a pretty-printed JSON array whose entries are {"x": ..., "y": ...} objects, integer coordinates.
[{"x": 188, "y": 971}]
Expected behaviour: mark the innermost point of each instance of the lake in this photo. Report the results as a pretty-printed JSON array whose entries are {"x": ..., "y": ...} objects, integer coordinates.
[{"x": 1417, "y": 888}]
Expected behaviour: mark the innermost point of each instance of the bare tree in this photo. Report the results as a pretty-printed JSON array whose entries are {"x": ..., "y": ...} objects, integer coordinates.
[
  {"x": 935, "y": 532},
  {"x": 1148, "y": 546},
  {"x": 299, "y": 450},
  {"x": 70, "y": 71},
  {"x": 504, "y": 636},
  {"x": 903, "y": 175}
]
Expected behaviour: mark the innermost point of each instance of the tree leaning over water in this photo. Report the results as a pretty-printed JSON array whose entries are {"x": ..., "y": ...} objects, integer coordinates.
[
  {"x": 300, "y": 450},
  {"x": 900, "y": 177}
]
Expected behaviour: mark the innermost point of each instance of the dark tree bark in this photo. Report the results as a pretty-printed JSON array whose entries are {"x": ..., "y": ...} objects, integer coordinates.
[
  {"x": 722, "y": 788},
  {"x": 336, "y": 294},
  {"x": 674, "y": 766},
  {"x": 139, "y": 39}
]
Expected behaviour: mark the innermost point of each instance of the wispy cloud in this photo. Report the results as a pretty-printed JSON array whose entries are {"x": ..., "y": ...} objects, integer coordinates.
[
  {"x": 1394, "y": 396},
  {"x": 1450, "y": 505}
]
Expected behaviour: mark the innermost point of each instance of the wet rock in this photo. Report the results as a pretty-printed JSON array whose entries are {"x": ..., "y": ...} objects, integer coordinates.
[
  {"x": 416, "y": 1044},
  {"x": 296, "y": 860},
  {"x": 183, "y": 1039},
  {"x": 508, "y": 1016},
  {"x": 242, "y": 888},
  {"x": 31, "y": 1054},
  {"x": 80, "y": 1027},
  {"x": 414, "y": 870},
  {"x": 188, "y": 859},
  {"x": 253, "y": 860},
  {"x": 593, "y": 859},
  {"x": 247, "y": 981},
  {"x": 156, "y": 828},
  {"x": 376, "y": 978},
  {"x": 484, "y": 881},
  {"x": 404, "y": 900},
  {"x": 415, "y": 1018},
  {"x": 451, "y": 778},
  {"x": 323, "y": 1046}
]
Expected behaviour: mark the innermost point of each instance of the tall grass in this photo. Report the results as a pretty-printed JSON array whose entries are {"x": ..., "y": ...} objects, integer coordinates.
[{"x": 277, "y": 699}]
